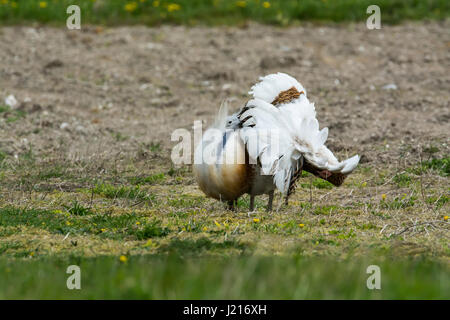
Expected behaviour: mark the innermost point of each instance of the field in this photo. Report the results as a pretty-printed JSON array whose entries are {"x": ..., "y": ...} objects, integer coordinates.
[
  {"x": 218, "y": 12},
  {"x": 86, "y": 176}
]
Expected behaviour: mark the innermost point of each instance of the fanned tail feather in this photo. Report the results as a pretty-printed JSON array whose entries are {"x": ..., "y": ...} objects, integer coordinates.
[
  {"x": 271, "y": 85},
  {"x": 297, "y": 131}
]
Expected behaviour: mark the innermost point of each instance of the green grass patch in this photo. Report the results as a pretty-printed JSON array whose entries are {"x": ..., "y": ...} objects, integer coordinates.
[
  {"x": 255, "y": 277},
  {"x": 218, "y": 12},
  {"x": 402, "y": 179},
  {"x": 155, "y": 147},
  {"x": 152, "y": 230},
  {"x": 153, "y": 179},
  {"x": 438, "y": 201},
  {"x": 113, "y": 192},
  {"x": 9, "y": 114},
  {"x": 440, "y": 165},
  {"x": 51, "y": 171},
  {"x": 399, "y": 202},
  {"x": 286, "y": 228},
  {"x": 80, "y": 220},
  {"x": 186, "y": 201},
  {"x": 325, "y": 210},
  {"x": 78, "y": 209},
  {"x": 202, "y": 246},
  {"x": 244, "y": 203},
  {"x": 3, "y": 155}
]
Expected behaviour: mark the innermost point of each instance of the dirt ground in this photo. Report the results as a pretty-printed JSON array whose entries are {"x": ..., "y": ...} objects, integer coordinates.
[
  {"x": 145, "y": 82},
  {"x": 104, "y": 101}
]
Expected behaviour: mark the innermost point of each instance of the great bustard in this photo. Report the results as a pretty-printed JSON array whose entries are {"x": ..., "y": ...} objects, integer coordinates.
[{"x": 266, "y": 145}]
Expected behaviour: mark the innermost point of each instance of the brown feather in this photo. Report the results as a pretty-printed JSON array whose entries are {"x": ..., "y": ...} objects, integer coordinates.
[{"x": 286, "y": 96}]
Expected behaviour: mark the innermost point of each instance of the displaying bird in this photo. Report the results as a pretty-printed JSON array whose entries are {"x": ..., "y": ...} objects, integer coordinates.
[{"x": 266, "y": 145}]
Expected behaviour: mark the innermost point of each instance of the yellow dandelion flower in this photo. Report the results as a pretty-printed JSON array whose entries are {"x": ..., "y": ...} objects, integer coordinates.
[
  {"x": 446, "y": 218},
  {"x": 256, "y": 220},
  {"x": 130, "y": 6},
  {"x": 68, "y": 223},
  {"x": 102, "y": 229},
  {"x": 155, "y": 4},
  {"x": 43, "y": 4},
  {"x": 32, "y": 254},
  {"x": 241, "y": 4},
  {"x": 301, "y": 225},
  {"x": 217, "y": 224},
  {"x": 173, "y": 7},
  {"x": 149, "y": 243},
  {"x": 138, "y": 223},
  {"x": 383, "y": 196},
  {"x": 364, "y": 184},
  {"x": 266, "y": 4},
  {"x": 123, "y": 258},
  {"x": 57, "y": 211},
  {"x": 225, "y": 224},
  {"x": 205, "y": 228}
]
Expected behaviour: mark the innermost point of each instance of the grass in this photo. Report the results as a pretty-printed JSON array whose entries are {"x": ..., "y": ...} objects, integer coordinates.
[
  {"x": 113, "y": 192},
  {"x": 152, "y": 179},
  {"x": 440, "y": 165},
  {"x": 172, "y": 277},
  {"x": 152, "y": 230},
  {"x": 9, "y": 114},
  {"x": 78, "y": 209},
  {"x": 176, "y": 243},
  {"x": 218, "y": 12}
]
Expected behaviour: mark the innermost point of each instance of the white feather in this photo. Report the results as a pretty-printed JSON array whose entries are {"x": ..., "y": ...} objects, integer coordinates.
[
  {"x": 271, "y": 85},
  {"x": 297, "y": 130}
]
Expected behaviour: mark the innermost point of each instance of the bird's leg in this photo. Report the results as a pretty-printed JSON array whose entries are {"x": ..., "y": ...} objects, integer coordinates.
[
  {"x": 252, "y": 202},
  {"x": 269, "y": 204},
  {"x": 232, "y": 205}
]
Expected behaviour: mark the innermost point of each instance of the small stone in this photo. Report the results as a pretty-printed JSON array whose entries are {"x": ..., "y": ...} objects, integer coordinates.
[
  {"x": 64, "y": 126},
  {"x": 144, "y": 86},
  {"x": 391, "y": 86},
  {"x": 151, "y": 45},
  {"x": 226, "y": 87},
  {"x": 11, "y": 101},
  {"x": 80, "y": 129}
]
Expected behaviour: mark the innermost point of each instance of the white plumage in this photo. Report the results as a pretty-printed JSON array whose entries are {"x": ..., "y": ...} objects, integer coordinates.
[{"x": 280, "y": 137}]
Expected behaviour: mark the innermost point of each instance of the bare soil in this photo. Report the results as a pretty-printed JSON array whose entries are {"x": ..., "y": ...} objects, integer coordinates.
[{"x": 145, "y": 82}]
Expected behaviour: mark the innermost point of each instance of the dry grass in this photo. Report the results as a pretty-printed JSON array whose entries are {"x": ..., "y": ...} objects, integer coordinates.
[{"x": 370, "y": 212}]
